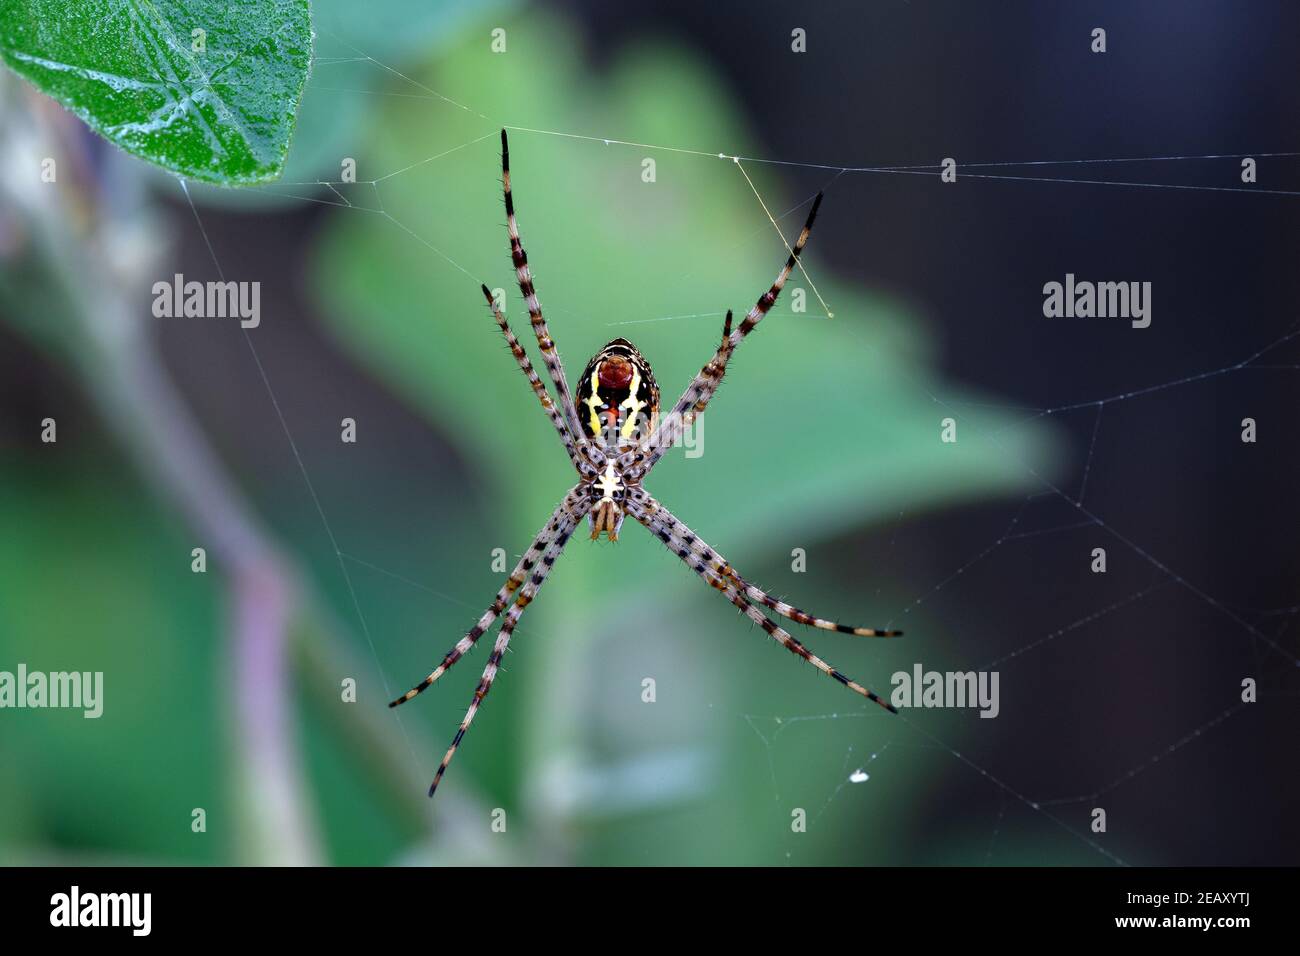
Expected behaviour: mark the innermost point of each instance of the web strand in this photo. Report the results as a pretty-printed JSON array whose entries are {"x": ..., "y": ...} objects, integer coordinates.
[{"x": 1047, "y": 488}]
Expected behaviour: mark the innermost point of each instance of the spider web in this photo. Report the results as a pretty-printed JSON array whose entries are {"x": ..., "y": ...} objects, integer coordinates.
[{"x": 1054, "y": 510}]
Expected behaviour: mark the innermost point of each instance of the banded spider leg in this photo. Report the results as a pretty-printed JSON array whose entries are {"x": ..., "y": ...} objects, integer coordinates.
[
  {"x": 550, "y": 356},
  {"x": 638, "y": 462},
  {"x": 715, "y": 569},
  {"x": 580, "y": 461},
  {"x": 526, "y": 594},
  {"x": 569, "y": 512}
]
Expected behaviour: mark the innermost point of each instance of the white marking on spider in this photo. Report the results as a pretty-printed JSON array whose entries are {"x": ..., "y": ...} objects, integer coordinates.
[{"x": 609, "y": 483}]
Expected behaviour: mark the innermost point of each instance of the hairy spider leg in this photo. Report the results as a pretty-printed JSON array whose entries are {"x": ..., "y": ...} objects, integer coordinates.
[
  {"x": 702, "y": 388},
  {"x": 512, "y": 616},
  {"x": 573, "y": 503},
  {"x": 673, "y": 533},
  {"x": 585, "y": 467},
  {"x": 550, "y": 356},
  {"x": 718, "y": 564}
]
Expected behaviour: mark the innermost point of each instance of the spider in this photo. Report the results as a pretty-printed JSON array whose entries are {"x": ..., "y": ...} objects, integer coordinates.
[{"x": 612, "y": 432}]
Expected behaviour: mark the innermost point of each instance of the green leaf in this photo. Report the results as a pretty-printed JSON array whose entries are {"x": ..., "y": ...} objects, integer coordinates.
[
  {"x": 205, "y": 89},
  {"x": 357, "y": 45}
]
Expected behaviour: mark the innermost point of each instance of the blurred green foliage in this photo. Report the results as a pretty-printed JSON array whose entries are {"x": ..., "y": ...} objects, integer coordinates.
[{"x": 89, "y": 581}]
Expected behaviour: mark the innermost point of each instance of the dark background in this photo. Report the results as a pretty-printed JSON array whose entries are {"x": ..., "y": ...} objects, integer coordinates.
[
  {"x": 986, "y": 82},
  {"x": 1199, "y": 528}
]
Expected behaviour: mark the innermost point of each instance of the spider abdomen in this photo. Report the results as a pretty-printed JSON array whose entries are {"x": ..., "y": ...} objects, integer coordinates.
[{"x": 617, "y": 397}]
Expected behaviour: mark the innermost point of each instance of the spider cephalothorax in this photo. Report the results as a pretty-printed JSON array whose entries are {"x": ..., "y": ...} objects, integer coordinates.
[
  {"x": 607, "y": 495},
  {"x": 614, "y": 437}
]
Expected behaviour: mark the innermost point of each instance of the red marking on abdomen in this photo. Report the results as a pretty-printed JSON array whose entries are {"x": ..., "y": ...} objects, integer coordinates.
[{"x": 615, "y": 373}]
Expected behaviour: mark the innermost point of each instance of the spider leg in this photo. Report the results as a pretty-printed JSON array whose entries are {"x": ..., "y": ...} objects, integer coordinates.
[
  {"x": 585, "y": 468},
  {"x": 544, "y": 341},
  {"x": 760, "y": 596},
  {"x": 697, "y": 395},
  {"x": 681, "y": 540},
  {"x": 664, "y": 518},
  {"x": 570, "y": 511},
  {"x": 512, "y": 616}
]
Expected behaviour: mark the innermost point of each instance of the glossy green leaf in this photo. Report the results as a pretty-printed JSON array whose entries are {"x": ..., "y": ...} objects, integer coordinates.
[
  {"x": 358, "y": 46},
  {"x": 205, "y": 89}
]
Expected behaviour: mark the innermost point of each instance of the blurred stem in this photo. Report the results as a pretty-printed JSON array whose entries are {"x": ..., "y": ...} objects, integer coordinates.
[
  {"x": 83, "y": 245},
  {"x": 124, "y": 376},
  {"x": 119, "y": 365}
]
